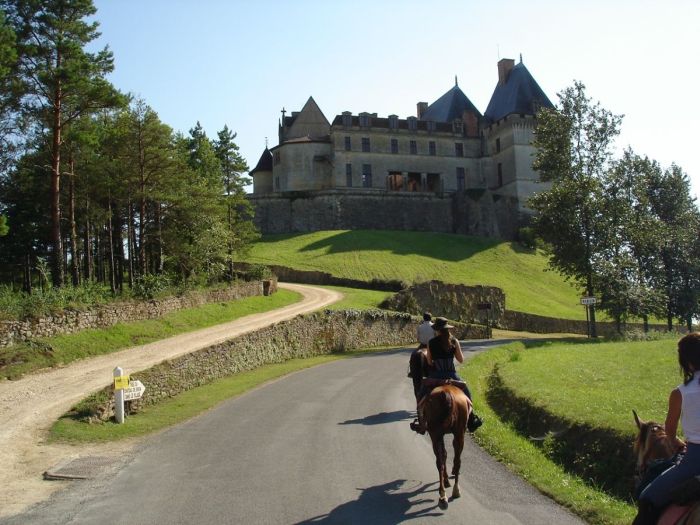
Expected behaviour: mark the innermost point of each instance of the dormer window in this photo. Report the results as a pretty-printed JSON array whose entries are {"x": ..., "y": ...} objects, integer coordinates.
[
  {"x": 347, "y": 119},
  {"x": 430, "y": 125},
  {"x": 365, "y": 120},
  {"x": 393, "y": 122},
  {"x": 457, "y": 126},
  {"x": 412, "y": 123}
]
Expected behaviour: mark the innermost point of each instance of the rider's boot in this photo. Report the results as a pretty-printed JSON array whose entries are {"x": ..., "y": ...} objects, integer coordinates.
[
  {"x": 647, "y": 514},
  {"x": 473, "y": 422},
  {"x": 419, "y": 424}
]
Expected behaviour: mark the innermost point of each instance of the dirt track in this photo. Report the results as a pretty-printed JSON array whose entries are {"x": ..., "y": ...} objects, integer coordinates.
[{"x": 30, "y": 405}]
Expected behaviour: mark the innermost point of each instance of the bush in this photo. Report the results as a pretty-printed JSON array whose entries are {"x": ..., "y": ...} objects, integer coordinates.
[
  {"x": 259, "y": 272},
  {"x": 151, "y": 286},
  {"x": 527, "y": 237},
  {"x": 21, "y": 305}
]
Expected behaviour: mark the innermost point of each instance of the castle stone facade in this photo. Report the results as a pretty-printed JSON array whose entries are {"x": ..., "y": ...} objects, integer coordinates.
[{"x": 450, "y": 168}]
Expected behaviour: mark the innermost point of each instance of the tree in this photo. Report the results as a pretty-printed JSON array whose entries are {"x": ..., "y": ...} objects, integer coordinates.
[
  {"x": 61, "y": 80},
  {"x": 574, "y": 146},
  {"x": 9, "y": 92},
  {"x": 232, "y": 167}
]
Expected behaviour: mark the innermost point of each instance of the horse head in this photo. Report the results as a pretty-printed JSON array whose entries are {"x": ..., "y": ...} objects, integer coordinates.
[{"x": 651, "y": 443}]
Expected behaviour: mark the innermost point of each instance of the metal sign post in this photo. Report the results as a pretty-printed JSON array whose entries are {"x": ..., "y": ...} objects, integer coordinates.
[
  {"x": 120, "y": 382},
  {"x": 587, "y": 302}
]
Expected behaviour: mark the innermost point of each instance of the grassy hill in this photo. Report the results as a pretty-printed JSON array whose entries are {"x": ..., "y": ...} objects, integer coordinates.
[{"x": 416, "y": 257}]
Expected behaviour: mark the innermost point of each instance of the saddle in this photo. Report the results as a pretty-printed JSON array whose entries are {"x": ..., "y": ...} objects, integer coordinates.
[{"x": 430, "y": 383}]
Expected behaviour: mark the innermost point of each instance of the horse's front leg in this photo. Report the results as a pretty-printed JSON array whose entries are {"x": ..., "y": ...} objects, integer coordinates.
[{"x": 458, "y": 444}]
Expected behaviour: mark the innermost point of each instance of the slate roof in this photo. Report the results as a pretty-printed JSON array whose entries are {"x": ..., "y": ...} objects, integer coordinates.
[
  {"x": 450, "y": 106},
  {"x": 265, "y": 162},
  {"x": 519, "y": 94}
]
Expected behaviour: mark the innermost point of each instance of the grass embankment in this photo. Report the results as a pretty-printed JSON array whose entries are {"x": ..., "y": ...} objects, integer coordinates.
[
  {"x": 586, "y": 392},
  {"x": 20, "y": 359},
  {"x": 418, "y": 256},
  {"x": 357, "y": 299}
]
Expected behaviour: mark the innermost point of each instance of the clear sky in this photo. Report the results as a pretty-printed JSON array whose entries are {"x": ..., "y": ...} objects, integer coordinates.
[{"x": 239, "y": 62}]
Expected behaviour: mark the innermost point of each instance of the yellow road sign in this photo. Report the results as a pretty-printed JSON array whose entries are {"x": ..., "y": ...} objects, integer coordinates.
[{"x": 121, "y": 382}]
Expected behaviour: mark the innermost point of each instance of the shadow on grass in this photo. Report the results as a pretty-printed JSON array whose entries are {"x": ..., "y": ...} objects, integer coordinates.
[{"x": 441, "y": 246}]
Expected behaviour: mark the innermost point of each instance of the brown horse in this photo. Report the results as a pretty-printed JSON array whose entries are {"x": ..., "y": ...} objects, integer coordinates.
[
  {"x": 653, "y": 444},
  {"x": 446, "y": 410}
]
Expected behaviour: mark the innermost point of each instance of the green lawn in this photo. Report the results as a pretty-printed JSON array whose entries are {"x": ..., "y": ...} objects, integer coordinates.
[
  {"x": 20, "y": 359},
  {"x": 358, "y": 299},
  {"x": 417, "y": 257}
]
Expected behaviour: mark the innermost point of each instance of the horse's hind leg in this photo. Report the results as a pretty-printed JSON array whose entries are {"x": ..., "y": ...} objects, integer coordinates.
[
  {"x": 440, "y": 455},
  {"x": 458, "y": 444}
]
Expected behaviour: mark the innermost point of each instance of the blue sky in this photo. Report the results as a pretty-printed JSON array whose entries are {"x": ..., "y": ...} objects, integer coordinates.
[{"x": 240, "y": 62}]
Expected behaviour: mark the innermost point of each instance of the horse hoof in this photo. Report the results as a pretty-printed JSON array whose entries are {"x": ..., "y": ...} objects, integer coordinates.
[
  {"x": 442, "y": 503},
  {"x": 456, "y": 493}
]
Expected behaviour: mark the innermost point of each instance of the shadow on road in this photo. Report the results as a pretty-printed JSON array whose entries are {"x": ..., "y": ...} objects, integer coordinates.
[
  {"x": 381, "y": 418},
  {"x": 389, "y": 503}
]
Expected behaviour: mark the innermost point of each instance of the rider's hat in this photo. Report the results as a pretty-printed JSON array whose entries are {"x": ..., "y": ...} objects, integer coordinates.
[{"x": 441, "y": 323}]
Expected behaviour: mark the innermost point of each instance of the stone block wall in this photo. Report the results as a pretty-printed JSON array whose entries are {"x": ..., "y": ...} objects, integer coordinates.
[
  {"x": 70, "y": 321},
  {"x": 481, "y": 212},
  {"x": 304, "y": 336}
]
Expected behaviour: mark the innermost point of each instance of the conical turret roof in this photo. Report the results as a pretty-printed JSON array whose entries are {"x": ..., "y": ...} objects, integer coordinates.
[
  {"x": 520, "y": 93},
  {"x": 265, "y": 162},
  {"x": 449, "y": 107}
]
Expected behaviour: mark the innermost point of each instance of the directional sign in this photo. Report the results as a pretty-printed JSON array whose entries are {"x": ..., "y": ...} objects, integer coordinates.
[
  {"x": 588, "y": 300},
  {"x": 134, "y": 391}
]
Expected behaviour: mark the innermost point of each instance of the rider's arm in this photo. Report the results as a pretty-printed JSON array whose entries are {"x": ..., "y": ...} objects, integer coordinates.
[
  {"x": 429, "y": 356},
  {"x": 459, "y": 356},
  {"x": 673, "y": 416}
]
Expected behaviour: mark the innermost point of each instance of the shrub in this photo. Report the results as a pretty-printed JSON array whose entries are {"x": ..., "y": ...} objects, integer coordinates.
[
  {"x": 151, "y": 286},
  {"x": 259, "y": 272}
]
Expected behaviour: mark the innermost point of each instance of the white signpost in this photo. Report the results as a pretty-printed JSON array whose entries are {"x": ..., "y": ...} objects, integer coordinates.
[
  {"x": 124, "y": 390},
  {"x": 588, "y": 300}
]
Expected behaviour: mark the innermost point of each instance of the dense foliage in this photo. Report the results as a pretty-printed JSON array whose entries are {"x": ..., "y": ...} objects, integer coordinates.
[
  {"x": 94, "y": 187},
  {"x": 624, "y": 230}
]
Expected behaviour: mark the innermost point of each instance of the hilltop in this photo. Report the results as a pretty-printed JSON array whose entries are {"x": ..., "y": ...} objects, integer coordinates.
[{"x": 418, "y": 256}]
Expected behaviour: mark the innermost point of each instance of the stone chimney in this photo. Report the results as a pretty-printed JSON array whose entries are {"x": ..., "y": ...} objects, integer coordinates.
[
  {"x": 505, "y": 66},
  {"x": 471, "y": 124},
  {"x": 422, "y": 108}
]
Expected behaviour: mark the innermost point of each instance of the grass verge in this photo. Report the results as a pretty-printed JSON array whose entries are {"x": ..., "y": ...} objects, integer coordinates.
[
  {"x": 594, "y": 385},
  {"x": 23, "y": 358},
  {"x": 358, "y": 299},
  {"x": 185, "y": 405}
]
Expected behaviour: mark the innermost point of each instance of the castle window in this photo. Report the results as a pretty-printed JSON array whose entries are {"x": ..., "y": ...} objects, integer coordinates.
[
  {"x": 366, "y": 175},
  {"x": 457, "y": 126},
  {"x": 365, "y": 144},
  {"x": 461, "y": 184},
  {"x": 348, "y": 144},
  {"x": 395, "y": 181},
  {"x": 498, "y": 145},
  {"x": 365, "y": 120},
  {"x": 393, "y": 122},
  {"x": 277, "y": 158},
  {"x": 394, "y": 146},
  {"x": 348, "y": 175},
  {"x": 500, "y": 174},
  {"x": 413, "y": 147},
  {"x": 347, "y": 119},
  {"x": 431, "y": 125},
  {"x": 432, "y": 149},
  {"x": 412, "y": 123},
  {"x": 459, "y": 149}
]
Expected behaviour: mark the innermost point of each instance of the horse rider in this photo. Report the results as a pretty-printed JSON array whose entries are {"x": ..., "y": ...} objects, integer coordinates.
[
  {"x": 443, "y": 349},
  {"x": 418, "y": 363},
  {"x": 683, "y": 407}
]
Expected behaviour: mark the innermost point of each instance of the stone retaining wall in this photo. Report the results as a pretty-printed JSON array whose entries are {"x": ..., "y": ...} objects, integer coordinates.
[
  {"x": 70, "y": 321},
  {"x": 304, "y": 336},
  {"x": 454, "y": 301}
]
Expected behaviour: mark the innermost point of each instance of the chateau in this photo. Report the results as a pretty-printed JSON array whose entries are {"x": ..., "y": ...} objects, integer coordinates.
[{"x": 450, "y": 168}]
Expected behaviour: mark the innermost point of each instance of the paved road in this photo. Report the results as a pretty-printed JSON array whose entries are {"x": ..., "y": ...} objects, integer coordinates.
[
  {"x": 325, "y": 445},
  {"x": 29, "y": 406}
]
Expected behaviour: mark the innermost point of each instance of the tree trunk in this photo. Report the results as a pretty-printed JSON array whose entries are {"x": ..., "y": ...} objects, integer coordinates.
[
  {"x": 87, "y": 244},
  {"x": 75, "y": 258},
  {"x": 159, "y": 241},
  {"x": 28, "y": 273},
  {"x": 112, "y": 269},
  {"x": 130, "y": 242},
  {"x": 57, "y": 273}
]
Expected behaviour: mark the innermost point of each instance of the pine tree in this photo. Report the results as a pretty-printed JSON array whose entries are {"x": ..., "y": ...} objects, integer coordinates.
[{"x": 62, "y": 81}]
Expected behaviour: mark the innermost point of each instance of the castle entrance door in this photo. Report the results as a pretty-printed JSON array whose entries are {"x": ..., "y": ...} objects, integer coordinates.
[{"x": 395, "y": 181}]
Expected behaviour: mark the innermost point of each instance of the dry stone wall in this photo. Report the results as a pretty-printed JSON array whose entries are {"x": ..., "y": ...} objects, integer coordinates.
[
  {"x": 304, "y": 336},
  {"x": 70, "y": 321}
]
